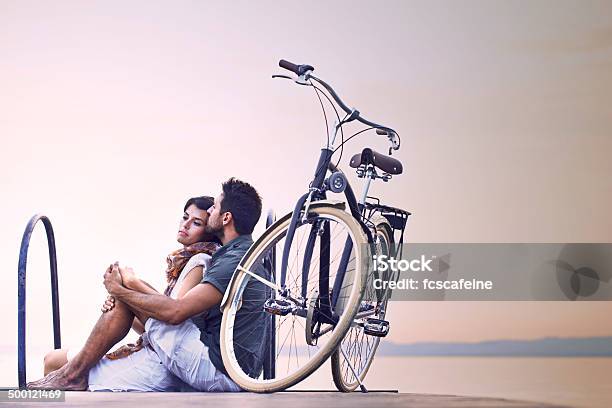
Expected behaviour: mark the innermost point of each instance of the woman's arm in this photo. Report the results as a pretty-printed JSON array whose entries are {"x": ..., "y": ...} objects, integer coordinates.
[
  {"x": 130, "y": 281},
  {"x": 140, "y": 286},
  {"x": 193, "y": 277}
]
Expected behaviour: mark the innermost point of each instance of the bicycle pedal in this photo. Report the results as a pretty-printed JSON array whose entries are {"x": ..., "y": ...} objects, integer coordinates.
[
  {"x": 278, "y": 307},
  {"x": 376, "y": 327}
]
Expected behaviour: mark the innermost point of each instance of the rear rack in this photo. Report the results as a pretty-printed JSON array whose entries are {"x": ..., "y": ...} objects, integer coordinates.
[{"x": 396, "y": 216}]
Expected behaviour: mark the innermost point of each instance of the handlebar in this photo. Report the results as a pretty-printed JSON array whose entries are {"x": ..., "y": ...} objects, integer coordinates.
[
  {"x": 353, "y": 114},
  {"x": 297, "y": 69}
]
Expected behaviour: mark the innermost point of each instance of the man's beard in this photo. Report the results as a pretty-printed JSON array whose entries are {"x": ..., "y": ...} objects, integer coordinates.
[{"x": 215, "y": 231}]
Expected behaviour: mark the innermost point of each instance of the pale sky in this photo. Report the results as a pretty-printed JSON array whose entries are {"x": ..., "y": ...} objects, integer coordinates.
[{"x": 112, "y": 114}]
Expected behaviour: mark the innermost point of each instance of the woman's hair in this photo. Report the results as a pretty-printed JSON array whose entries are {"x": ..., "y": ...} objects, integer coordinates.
[{"x": 203, "y": 202}]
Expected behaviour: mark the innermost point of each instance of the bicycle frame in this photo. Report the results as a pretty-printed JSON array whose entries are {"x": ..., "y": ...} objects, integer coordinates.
[{"x": 317, "y": 192}]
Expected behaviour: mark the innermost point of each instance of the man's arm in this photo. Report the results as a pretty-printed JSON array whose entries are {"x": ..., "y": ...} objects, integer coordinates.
[{"x": 174, "y": 311}]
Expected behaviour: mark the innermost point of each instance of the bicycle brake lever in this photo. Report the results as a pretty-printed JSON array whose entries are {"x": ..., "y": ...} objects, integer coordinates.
[
  {"x": 301, "y": 80},
  {"x": 392, "y": 136},
  {"x": 394, "y": 139}
]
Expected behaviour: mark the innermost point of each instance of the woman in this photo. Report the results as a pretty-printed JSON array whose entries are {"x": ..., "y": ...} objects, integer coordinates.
[{"x": 186, "y": 267}]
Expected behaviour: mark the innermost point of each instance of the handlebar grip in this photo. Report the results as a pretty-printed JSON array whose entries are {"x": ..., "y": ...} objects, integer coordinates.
[
  {"x": 290, "y": 66},
  {"x": 299, "y": 70},
  {"x": 381, "y": 132}
]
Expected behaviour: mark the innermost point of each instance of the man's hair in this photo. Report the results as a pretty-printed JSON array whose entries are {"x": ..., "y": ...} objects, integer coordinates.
[{"x": 243, "y": 201}]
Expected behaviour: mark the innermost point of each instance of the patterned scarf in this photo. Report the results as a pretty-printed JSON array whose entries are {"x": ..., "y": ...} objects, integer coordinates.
[
  {"x": 179, "y": 258},
  {"x": 176, "y": 262}
]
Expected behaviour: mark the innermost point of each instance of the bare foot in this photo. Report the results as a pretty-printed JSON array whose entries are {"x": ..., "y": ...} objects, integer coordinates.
[{"x": 59, "y": 380}]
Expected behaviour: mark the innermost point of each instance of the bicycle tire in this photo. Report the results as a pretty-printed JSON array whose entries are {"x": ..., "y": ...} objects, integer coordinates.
[{"x": 231, "y": 305}]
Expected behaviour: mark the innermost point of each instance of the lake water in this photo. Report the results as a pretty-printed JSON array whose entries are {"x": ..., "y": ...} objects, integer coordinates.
[{"x": 577, "y": 382}]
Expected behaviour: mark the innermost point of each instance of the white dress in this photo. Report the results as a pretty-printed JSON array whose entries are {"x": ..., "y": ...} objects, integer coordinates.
[{"x": 142, "y": 370}]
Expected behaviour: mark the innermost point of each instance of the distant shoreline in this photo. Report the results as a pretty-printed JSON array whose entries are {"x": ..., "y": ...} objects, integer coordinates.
[{"x": 545, "y": 347}]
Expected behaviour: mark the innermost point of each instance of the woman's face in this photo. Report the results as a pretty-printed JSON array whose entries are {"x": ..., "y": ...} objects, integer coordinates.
[{"x": 191, "y": 227}]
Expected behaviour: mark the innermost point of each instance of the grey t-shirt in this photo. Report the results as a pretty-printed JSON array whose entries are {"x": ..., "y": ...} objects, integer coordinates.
[{"x": 249, "y": 324}]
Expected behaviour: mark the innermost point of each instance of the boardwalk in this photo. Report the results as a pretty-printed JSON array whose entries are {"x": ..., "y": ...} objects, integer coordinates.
[{"x": 283, "y": 399}]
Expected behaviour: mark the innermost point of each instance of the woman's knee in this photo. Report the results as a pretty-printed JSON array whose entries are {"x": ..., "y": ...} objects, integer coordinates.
[{"x": 55, "y": 359}]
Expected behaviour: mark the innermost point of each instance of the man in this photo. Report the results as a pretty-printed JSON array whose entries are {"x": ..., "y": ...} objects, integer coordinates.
[{"x": 189, "y": 349}]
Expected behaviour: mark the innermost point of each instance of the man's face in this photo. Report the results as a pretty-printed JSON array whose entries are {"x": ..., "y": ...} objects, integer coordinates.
[{"x": 214, "y": 225}]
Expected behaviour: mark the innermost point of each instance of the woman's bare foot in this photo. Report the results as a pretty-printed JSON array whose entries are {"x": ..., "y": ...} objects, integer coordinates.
[{"x": 59, "y": 380}]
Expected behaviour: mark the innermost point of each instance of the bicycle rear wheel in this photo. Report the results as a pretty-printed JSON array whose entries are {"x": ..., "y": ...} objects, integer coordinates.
[
  {"x": 359, "y": 347},
  {"x": 302, "y": 331}
]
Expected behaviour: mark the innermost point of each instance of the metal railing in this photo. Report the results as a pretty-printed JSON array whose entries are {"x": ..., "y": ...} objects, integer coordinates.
[{"x": 21, "y": 293}]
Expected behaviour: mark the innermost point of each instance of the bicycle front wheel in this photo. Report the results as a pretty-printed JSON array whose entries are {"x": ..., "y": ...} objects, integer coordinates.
[{"x": 305, "y": 322}]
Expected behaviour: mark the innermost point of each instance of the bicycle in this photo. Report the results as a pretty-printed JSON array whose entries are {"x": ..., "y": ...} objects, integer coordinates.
[{"x": 321, "y": 301}]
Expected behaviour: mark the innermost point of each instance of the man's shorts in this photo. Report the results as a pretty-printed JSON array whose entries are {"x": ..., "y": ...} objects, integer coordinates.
[
  {"x": 174, "y": 359},
  {"x": 181, "y": 351}
]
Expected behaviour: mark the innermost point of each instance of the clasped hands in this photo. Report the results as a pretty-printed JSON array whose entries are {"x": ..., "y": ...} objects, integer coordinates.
[{"x": 116, "y": 277}]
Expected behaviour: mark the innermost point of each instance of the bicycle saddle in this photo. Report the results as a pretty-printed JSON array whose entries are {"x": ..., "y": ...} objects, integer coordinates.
[{"x": 386, "y": 163}]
